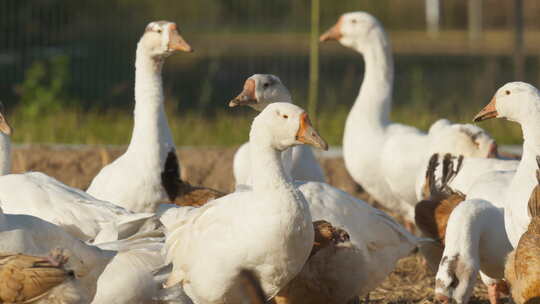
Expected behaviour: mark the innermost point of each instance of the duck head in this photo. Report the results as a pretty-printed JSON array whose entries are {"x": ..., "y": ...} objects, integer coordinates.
[
  {"x": 161, "y": 39},
  {"x": 261, "y": 90},
  {"x": 354, "y": 30},
  {"x": 283, "y": 125},
  {"x": 515, "y": 101}
]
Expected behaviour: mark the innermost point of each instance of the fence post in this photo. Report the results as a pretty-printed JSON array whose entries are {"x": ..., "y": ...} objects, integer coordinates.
[
  {"x": 474, "y": 15},
  {"x": 433, "y": 17},
  {"x": 519, "y": 56},
  {"x": 314, "y": 62}
]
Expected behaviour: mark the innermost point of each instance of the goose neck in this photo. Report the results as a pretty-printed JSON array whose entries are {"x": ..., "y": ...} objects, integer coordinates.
[
  {"x": 267, "y": 171},
  {"x": 531, "y": 136},
  {"x": 150, "y": 123},
  {"x": 375, "y": 97}
]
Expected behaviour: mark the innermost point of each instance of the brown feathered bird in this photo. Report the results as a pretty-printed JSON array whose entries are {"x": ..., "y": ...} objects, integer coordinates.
[
  {"x": 522, "y": 269},
  {"x": 181, "y": 192},
  {"x": 432, "y": 213},
  {"x": 318, "y": 281},
  {"x": 32, "y": 279}
]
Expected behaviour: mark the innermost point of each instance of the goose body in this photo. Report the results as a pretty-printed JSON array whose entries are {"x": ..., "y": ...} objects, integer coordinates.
[
  {"x": 147, "y": 173},
  {"x": 519, "y": 102},
  {"x": 143, "y": 270},
  {"x": 267, "y": 229},
  {"x": 259, "y": 91},
  {"x": 77, "y": 212},
  {"x": 377, "y": 241},
  {"x": 475, "y": 242},
  {"x": 42, "y": 196},
  {"x": 387, "y": 166}
]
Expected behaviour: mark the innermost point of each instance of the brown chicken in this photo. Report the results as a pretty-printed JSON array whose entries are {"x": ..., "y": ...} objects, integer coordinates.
[
  {"x": 522, "y": 269},
  {"x": 30, "y": 279},
  {"x": 318, "y": 282},
  {"x": 432, "y": 213}
]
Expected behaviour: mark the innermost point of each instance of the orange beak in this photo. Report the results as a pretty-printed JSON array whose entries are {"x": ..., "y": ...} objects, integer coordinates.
[
  {"x": 176, "y": 42},
  {"x": 308, "y": 135},
  {"x": 488, "y": 111},
  {"x": 247, "y": 96},
  {"x": 334, "y": 33}
]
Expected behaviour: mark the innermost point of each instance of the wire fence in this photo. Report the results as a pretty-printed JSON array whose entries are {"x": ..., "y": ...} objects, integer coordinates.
[{"x": 234, "y": 39}]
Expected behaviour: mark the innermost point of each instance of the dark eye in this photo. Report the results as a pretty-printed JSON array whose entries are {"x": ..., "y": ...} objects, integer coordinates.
[
  {"x": 507, "y": 92},
  {"x": 159, "y": 31},
  {"x": 353, "y": 21},
  {"x": 266, "y": 84},
  {"x": 285, "y": 116}
]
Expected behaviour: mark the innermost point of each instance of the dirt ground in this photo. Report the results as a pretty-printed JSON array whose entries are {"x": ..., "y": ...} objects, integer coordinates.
[{"x": 411, "y": 282}]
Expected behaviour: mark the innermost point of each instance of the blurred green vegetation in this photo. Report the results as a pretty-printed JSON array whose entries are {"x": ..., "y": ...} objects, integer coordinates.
[{"x": 66, "y": 67}]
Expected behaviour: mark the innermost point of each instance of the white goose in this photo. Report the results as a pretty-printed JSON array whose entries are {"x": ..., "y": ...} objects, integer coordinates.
[
  {"x": 382, "y": 156},
  {"x": 148, "y": 173},
  {"x": 39, "y": 195},
  {"x": 259, "y": 91},
  {"x": 268, "y": 229},
  {"x": 519, "y": 102}
]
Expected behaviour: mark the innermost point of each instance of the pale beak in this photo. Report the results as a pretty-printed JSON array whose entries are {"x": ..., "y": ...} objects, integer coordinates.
[
  {"x": 247, "y": 97},
  {"x": 177, "y": 42},
  {"x": 334, "y": 33},
  {"x": 308, "y": 135},
  {"x": 488, "y": 111},
  {"x": 4, "y": 126}
]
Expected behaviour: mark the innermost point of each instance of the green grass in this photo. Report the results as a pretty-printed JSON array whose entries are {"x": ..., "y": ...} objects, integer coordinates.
[{"x": 225, "y": 128}]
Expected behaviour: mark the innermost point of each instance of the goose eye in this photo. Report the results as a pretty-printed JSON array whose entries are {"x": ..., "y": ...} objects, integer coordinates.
[
  {"x": 353, "y": 21},
  {"x": 266, "y": 84},
  {"x": 159, "y": 31},
  {"x": 285, "y": 116},
  {"x": 507, "y": 92}
]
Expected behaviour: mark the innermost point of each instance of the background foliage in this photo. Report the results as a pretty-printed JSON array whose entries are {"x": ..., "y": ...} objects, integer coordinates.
[{"x": 69, "y": 64}]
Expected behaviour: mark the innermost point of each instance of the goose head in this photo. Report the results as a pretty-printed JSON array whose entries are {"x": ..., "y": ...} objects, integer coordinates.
[
  {"x": 161, "y": 39},
  {"x": 515, "y": 101},
  {"x": 282, "y": 125},
  {"x": 261, "y": 90},
  {"x": 455, "y": 280},
  {"x": 355, "y": 30}
]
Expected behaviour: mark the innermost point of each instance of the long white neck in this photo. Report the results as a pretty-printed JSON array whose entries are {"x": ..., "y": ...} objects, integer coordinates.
[
  {"x": 151, "y": 131},
  {"x": 525, "y": 178},
  {"x": 267, "y": 172},
  {"x": 372, "y": 106},
  {"x": 5, "y": 154}
]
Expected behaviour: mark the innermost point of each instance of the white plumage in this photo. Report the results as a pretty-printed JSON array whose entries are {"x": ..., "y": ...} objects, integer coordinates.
[
  {"x": 382, "y": 156},
  {"x": 259, "y": 91},
  {"x": 135, "y": 180},
  {"x": 267, "y": 229}
]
